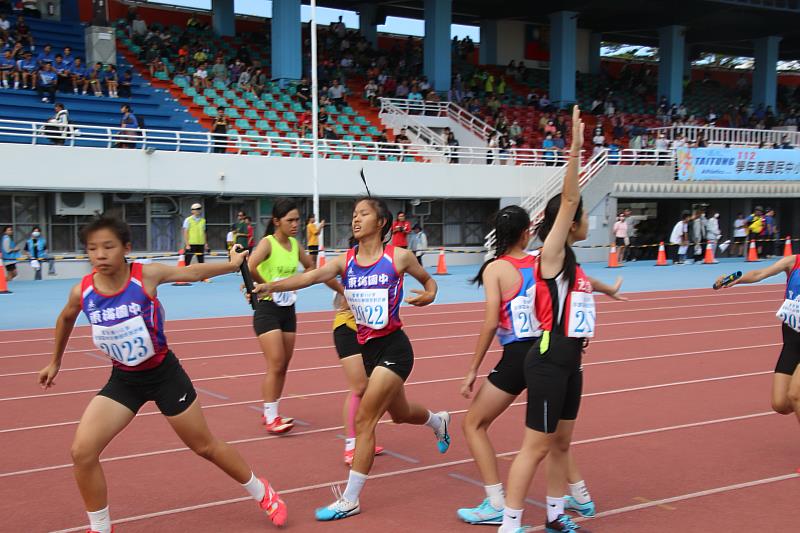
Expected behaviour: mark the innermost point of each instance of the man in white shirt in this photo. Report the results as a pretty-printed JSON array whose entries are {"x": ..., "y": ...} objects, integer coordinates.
[{"x": 680, "y": 237}]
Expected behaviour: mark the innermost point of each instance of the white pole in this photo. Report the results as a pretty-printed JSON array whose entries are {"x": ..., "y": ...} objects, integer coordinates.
[{"x": 314, "y": 111}]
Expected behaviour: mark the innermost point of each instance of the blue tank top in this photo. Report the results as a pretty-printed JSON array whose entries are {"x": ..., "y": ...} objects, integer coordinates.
[
  {"x": 517, "y": 318},
  {"x": 127, "y": 326},
  {"x": 793, "y": 281}
]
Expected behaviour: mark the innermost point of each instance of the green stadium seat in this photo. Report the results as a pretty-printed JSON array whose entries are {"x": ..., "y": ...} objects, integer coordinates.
[
  {"x": 210, "y": 111},
  {"x": 242, "y": 123},
  {"x": 251, "y": 113},
  {"x": 232, "y": 112}
]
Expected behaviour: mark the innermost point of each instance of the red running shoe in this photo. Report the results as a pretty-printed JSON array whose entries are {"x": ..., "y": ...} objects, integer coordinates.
[
  {"x": 279, "y": 425},
  {"x": 273, "y": 505},
  {"x": 348, "y": 455}
]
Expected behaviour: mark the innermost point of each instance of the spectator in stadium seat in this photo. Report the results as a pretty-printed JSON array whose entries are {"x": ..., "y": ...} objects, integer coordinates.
[
  {"x": 200, "y": 77},
  {"x": 515, "y": 132},
  {"x": 111, "y": 80},
  {"x": 80, "y": 80},
  {"x": 95, "y": 78},
  {"x": 125, "y": 84},
  {"x": 220, "y": 130},
  {"x": 138, "y": 29},
  {"x": 5, "y": 24},
  {"x": 243, "y": 83},
  {"x": 8, "y": 71},
  {"x": 46, "y": 55},
  {"x": 27, "y": 68},
  {"x": 329, "y": 134},
  {"x": 23, "y": 33},
  {"x": 304, "y": 93},
  {"x": 371, "y": 92},
  {"x": 64, "y": 77},
  {"x": 402, "y": 90},
  {"x": 46, "y": 85},
  {"x": 67, "y": 57},
  {"x": 614, "y": 151}
]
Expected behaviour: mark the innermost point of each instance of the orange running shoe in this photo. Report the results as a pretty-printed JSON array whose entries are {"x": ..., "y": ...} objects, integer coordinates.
[
  {"x": 286, "y": 420},
  {"x": 348, "y": 455},
  {"x": 273, "y": 505},
  {"x": 279, "y": 426}
]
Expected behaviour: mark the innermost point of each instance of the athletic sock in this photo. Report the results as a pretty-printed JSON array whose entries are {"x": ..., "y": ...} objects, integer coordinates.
[
  {"x": 271, "y": 411},
  {"x": 255, "y": 488},
  {"x": 349, "y": 444},
  {"x": 434, "y": 421},
  {"x": 580, "y": 492},
  {"x": 555, "y": 508},
  {"x": 512, "y": 520},
  {"x": 100, "y": 521},
  {"x": 496, "y": 495},
  {"x": 354, "y": 485}
]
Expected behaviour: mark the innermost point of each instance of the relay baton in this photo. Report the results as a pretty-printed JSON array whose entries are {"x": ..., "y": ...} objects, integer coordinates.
[
  {"x": 727, "y": 280},
  {"x": 248, "y": 280}
]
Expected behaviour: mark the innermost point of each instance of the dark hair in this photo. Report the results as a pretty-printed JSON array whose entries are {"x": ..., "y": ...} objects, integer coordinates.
[
  {"x": 509, "y": 223},
  {"x": 544, "y": 227},
  {"x": 36, "y": 228},
  {"x": 380, "y": 207},
  {"x": 6, "y": 228},
  {"x": 280, "y": 209},
  {"x": 117, "y": 226}
]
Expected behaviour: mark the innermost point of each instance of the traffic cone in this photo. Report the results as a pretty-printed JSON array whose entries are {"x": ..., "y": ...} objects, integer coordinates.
[
  {"x": 613, "y": 261},
  {"x": 709, "y": 257},
  {"x": 3, "y": 282},
  {"x": 752, "y": 255},
  {"x": 441, "y": 266},
  {"x": 321, "y": 257},
  {"x": 661, "y": 260},
  {"x": 181, "y": 263},
  {"x": 787, "y": 247}
]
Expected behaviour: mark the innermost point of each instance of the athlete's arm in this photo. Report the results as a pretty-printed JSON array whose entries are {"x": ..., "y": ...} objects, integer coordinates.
[
  {"x": 308, "y": 264},
  {"x": 156, "y": 274},
  {"x": 608, "y": 290},
  {"x": 64, "y": 324},
  {"x": 785, "y": 264},
  {"x": 260, "y": 254},
  {"x": 407, "y": 263},
  {"x": 491, "y": 286},
  {"x": 552, "y": 258},
  {"x": 305, "y": 279}
]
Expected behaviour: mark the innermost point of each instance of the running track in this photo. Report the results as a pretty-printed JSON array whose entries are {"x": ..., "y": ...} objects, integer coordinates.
[{"x": 675, "y": 432}]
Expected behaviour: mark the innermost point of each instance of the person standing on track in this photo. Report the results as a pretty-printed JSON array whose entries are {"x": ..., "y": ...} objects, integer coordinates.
[
  {"x": 274, "y": 258},
  {"x": 120, "y": 301},
  {"x": 509, "y": 280},
  {"x": 194, "y": 235},
  {"x": 372, "y": 274},
  {"x": 786, "y": 381},
  {"x": 564, "y": 308}
]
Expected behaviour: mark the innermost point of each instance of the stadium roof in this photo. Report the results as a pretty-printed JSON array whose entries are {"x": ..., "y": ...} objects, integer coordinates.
[{"x": 720, "y": 26}]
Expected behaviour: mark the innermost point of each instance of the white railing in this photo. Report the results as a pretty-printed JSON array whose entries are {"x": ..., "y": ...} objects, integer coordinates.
[
  {"x": 43, "y": 133},
  {"x": 467, "y": 120},
  {"x": 396, "y": 118},
  {"x": 733, "y": 136}
]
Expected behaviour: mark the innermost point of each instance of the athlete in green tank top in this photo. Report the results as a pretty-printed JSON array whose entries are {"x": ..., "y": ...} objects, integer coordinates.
[{"x": 280, "y": 264}]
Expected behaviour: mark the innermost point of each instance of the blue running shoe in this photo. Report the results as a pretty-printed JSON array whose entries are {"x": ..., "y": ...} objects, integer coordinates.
[
  {"x": 482, "y": 514},
  {"x": 563, "y": 523},
  {"x": 586, "y": 510},
  {"x": 442, "y": 434},
  {"x": 339, "y": 509}
]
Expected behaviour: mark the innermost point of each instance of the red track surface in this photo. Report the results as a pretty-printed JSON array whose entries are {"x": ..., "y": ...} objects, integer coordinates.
[{"x": 675, "y": 432}]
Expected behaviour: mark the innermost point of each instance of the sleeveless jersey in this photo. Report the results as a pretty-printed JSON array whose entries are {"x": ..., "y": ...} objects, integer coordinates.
[
  {"x": 789, "y": 313},
  {"x": 517, "y": 318},
  {"x": 568, "y": 310},
  {"x": 280, "y": 264},
  {"x": 127, "y": 326},
  {"x": 374, "y": 293}
]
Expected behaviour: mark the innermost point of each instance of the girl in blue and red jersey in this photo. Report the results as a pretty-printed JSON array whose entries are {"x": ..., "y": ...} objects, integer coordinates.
[
  {"x": 127, "y": 321},
  {"x": 786, "y": 381},
  {"x": 372, "y": 276}
]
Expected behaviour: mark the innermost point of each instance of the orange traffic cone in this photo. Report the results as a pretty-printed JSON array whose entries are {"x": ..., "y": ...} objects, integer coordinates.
[
  {"x": 181, "y": 263},
  {"x": 752, "y": 255},
  {"x": 709, "y": 257},
  {"x": 3, "y": 282},
  {"x": 321, "y": 257},
  {"x": 441, "y": 266},
  {"x": 787, "y": 247},
  {"x": 661, "y": 260},
  {"x": 613, "y": 261}
]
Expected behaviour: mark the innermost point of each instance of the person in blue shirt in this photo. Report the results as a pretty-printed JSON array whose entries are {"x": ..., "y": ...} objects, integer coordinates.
[
  {"x": 47, "y": 83},
  {"x": 111, "y": 80},
  {"x": 69, "y": 59},
  {"x": 46, "y": 56},
  {"x": 27, "y": 68},
  {"x": 125, "y": 84},
  {"x": 10, "y": 252},
  {"x": 614, "y": 150},
  {"x": 79, "y": 76},
  {"x": 128, "y": 122},
  {"x": 64, "y": 77},
  {"x": 36, "y": 247},
  {"x": 95, "y": 77},
  {"x": 549, "y": 145},
  {"x": 8, "y": 70}
]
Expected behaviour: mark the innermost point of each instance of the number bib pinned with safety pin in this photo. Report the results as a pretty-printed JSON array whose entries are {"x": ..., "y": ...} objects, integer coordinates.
[
  {"x": 523, "y": 319},
  {"x": 581, "y": 315},
  {"x": 128, "y": 343},
  {"x": 789, "y": 313},
  {"x": 370, "y": 306}
]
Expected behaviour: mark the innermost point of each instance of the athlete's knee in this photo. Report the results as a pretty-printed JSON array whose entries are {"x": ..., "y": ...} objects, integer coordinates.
[
  {"x": 782, "y": 408},
  {"x": 559, "y": 443},
  {"x": 365, "y": 422},
  {"x": 207, "y": 448},
  {"x": 794, "y": 396},
  {"x": 279, "y": 366},
  {"x": 473, "y": 423},
  {"x": 84, "y": 454}
]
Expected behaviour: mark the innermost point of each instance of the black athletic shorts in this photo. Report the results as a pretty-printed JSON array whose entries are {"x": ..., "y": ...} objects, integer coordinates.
[
  {"x": 509, "y": 373},
  {"x": 313, "y": 249},
  {"x": 555, "y": 382},
  {"x": 790, "y": 353},
  {"x": 198, "y": 250},
  {"x": 393, "y": 351},
  {"x": 346, "y": 342},
  {"x": 167, "y": 384},
  {"x": 620, "y": 241},
  {"x": 269, "y": 315}
]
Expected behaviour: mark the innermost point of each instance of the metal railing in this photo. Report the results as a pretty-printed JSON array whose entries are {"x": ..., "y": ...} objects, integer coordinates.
[
  {"x": 733, "y": 136},
  {"x": 467, "y": 120},
  {"x": 396, "y": 117}
]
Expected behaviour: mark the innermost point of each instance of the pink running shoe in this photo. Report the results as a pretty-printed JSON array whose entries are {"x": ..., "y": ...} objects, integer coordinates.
[{"x": 273, "y": 505}]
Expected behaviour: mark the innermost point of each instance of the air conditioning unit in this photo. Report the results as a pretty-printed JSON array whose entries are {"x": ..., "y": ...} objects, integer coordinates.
[
  {"x": 78, "y": 203},
  {"x": 423, "y": 208},
  {"x": 128, "y": 198}
]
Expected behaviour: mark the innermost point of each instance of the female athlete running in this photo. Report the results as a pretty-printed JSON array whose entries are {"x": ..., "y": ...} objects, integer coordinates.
[
  {"x": 786, "y": 382},
  {"x": 119, "y": 299},
  {"x": 372, "y": 274},
  {"x": 509, "y": 279}
]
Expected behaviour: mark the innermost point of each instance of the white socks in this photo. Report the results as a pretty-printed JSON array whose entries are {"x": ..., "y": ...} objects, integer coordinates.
[
  {"x": 434, "y": 421},
  {"x": 496, "y": 495},
  {"x": 555, "y": 508},
  {"x": 349, "y": 444},
  {"x": 580, "y": 492},
  {"x": 100, "y": 521},
  {"x": 255, "y": 488},
  {"x": 271, "y": 411},
  {"x": 512, "y": 520},
  {"x": 354, "y": 485}
]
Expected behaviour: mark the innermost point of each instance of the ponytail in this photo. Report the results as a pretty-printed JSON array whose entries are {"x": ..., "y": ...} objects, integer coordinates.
[{"x": 509, "y": 223}]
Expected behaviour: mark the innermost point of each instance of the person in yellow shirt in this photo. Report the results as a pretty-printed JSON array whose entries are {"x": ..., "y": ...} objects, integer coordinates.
[
  {"x": 312, "y": 235},
  {"x": 194, "y": 235}
]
